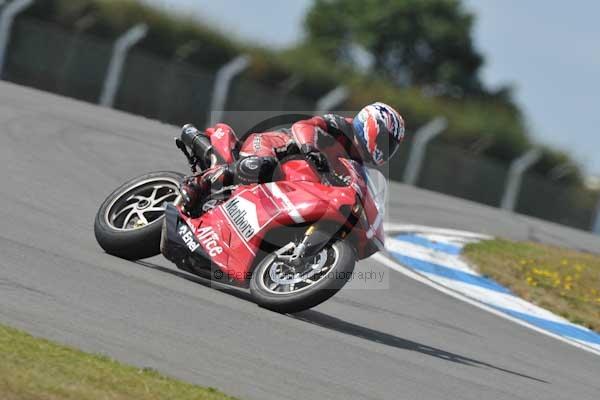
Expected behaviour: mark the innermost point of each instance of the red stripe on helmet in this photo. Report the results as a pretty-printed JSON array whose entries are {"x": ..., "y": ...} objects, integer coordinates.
[{"x": 372, "y": 131}]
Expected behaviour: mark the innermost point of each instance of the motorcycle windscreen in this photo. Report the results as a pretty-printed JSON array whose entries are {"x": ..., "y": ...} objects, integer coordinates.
[{"x": 375, "y": 207}]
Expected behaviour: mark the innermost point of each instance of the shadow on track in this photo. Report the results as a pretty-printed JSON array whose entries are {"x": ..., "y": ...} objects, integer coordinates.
[
  {"x": 206, "y": 282},
  {"x": 341, "y": 326},
  {"x": 336, "y": 324}
]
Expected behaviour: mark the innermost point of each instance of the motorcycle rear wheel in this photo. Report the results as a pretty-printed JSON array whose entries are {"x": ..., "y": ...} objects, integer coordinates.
[
  {"x": 273, "y": 288},
  {"x": 129, "y": 222}
]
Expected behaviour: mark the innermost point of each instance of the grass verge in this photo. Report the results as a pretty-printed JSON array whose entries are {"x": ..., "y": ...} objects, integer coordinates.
[
  {"x": 33, "y": 369},
  {"x": 566, "y": 282}
]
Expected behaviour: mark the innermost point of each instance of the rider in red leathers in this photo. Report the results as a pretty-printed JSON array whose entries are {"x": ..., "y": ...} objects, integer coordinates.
[{"x": 372, "y": 137}]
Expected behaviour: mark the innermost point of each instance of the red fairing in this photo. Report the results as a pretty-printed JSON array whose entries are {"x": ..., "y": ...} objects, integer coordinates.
[
  {"x": 239, "y": 225},
  {"x": 223, "y": 141},
  {"x": 231, "y": 233},
  {"x": 299, "y": 170}
]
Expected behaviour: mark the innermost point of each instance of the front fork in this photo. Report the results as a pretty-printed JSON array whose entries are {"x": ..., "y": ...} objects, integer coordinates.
[
  {"x": 314, "y": 241},
  {"x": 178, "y": 200}
]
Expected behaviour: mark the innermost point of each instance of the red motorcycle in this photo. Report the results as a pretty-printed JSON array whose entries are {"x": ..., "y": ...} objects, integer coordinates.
[{"x": 293, "y": 242}]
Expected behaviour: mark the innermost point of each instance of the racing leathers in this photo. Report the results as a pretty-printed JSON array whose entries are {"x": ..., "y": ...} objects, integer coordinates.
[{"x": 226, "y": 161}]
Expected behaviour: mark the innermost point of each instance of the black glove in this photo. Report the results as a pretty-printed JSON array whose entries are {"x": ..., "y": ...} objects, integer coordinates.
[
  {"x": 319, "y": 160},
  {"x": 190, "y": 193}
]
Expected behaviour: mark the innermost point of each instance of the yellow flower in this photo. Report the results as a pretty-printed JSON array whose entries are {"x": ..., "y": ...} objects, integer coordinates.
[
  {"x": 556, "y": 283},
  {"x": 529, "y": 280}
]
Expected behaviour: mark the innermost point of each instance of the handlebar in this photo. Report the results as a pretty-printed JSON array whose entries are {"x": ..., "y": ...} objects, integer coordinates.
[{"x": 199, "y": 144}]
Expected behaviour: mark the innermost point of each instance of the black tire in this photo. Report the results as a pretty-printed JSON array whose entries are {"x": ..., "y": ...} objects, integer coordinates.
[
  {"x": 133, "y": 243},
  {"x": 311, "y": 296}
]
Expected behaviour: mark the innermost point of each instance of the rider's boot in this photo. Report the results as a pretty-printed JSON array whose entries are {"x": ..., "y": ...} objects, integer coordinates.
[{"x": 196, "y": 189}]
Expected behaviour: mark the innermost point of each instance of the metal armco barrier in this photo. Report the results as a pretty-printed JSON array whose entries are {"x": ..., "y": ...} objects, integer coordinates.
[
  {"x": 332, "y": 99},
  {"x": 222, "y": 82},
  {"x": 515, "y": 176},
  {"x": 596, "y": 227},
  {"x": 115, "y": 68},
  {"x": 7, "y": 16},
  {"x": 423, "y": 136}
]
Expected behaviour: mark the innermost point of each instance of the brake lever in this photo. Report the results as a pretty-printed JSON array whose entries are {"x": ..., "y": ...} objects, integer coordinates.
[{"x": 191, "y": 159}]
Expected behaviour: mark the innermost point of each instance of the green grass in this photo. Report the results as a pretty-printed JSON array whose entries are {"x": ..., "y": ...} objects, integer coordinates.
[
  {"x": 32, "y": 369},
  {"x": 566, "y": 282}
]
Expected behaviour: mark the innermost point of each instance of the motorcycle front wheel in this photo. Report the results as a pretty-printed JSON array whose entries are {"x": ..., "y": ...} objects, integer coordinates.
[
  {"x": 287, "y": 289},
  {"x": 129, "y": 222}
]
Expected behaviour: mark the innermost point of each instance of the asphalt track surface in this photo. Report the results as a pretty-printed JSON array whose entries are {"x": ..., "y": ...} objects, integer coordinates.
[{"x": 60, "y": 158}]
